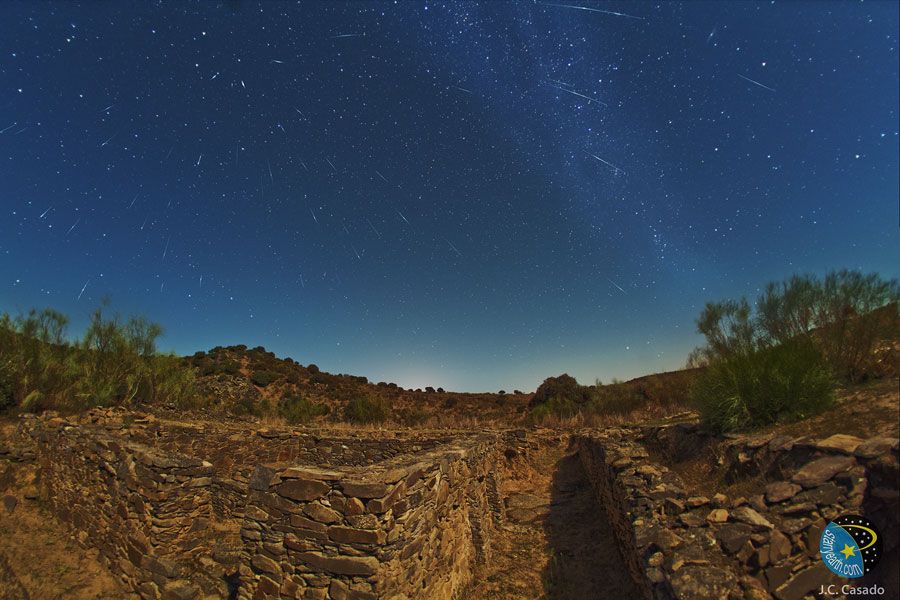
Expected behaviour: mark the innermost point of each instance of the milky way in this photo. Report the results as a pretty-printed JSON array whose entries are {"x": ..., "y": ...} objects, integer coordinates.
[{"x": 473, "y": 196}]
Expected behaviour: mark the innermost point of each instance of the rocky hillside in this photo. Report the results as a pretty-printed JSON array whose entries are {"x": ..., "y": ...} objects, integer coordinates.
[{"x": 243, "y": 380}]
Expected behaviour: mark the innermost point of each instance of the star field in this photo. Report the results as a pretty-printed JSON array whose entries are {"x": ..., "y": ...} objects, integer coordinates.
[{"x": 474, "y": 196}]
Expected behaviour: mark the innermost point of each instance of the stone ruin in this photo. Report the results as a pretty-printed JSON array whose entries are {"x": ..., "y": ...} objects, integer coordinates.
[
  {"x": 223, "y": 511},
  {"x": 179, "y": 511}
]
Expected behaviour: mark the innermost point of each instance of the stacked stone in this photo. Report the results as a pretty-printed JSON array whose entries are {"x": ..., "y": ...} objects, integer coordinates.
[
  {"x": 410, "y": 529},
  {"x": 686, "y": 546},
  {"x": 145, "y": 512}
]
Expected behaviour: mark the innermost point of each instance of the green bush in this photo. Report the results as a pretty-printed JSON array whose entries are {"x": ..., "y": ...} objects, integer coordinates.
[
  {"x": 263, "y": 378},
  {"x": 556, "y": 406},
  {"x": 366, "y": 410},
  {"x": 296, "y": 409},
  {"x": 764, "y": 386},
  {"x": 847, "y": 314},
  {"x": 115, "y": 363},
  {"x": 564, "y": 387}
]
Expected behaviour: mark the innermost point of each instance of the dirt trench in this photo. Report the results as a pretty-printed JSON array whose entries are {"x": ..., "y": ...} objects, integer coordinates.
[{"x": 557, "y": 543}]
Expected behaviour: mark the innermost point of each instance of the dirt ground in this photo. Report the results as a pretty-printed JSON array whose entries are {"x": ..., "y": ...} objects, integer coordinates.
[{"x": 556, "y": 544}]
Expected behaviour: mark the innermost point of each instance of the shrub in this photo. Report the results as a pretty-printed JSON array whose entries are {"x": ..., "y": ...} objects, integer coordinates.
[
  {"x": 366, "y": 409},
  {"x": 765, "y": 386},
  {"x": 312, "y": 368},
  {"x": 564, "y": 387},
  {"x": 263, "y": 378},
  {"x": 115, "y": 362},
  {"x": 557, "y": 406},
  {"x": 846, "y": 314},
  {"x": 296, "y": 409}
]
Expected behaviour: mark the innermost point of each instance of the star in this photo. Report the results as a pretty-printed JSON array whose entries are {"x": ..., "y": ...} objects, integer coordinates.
[{"x": 848, "y": 551}]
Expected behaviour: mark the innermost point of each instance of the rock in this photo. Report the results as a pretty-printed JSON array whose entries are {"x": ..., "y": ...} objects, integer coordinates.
[
  {"x": 350, "y": 535},
  {"x": 302, "y": 490},
  {"x": 839, "y": 442},
  {"x": 777, "y": 575},
  {"x": 692, "y": 519},
  {"x": 340, "y": 565},
  {"x": 354, "y": 506},
  {"x": 754, "y": 589},
  {"x": 824, "y": 495},
  {"x": 874, "y": 447},
  {"x": 720, "y": 500},
  {"x": 717, "y": 515},
  {"x": 702, "y": 582},
  {"x": 656, "y": 559},
  {"x": 179, "y": 590},
  {"x": 745, "y": 514},
  {"x": 780, "y": 491},
  {"x": 321, "y": 514},
  {"x": 363, "y": 489},
  {"x": 695, "y": 501},
  {"x": 733, "y": 536},
  {"x": 746, "y": 552},
  {"x": 758, "y": 502},
  {"x": 779, "y": 546},
  {"x": 821, "y": 470},
  {"x": 803, "y": 582},
  {"x": 10, "y": 503},
  {"x": 801, "y": 508},
  {"x": 265, "y": 564}
]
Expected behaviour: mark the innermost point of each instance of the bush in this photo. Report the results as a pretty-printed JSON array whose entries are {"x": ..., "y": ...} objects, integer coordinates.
[
  {"x": 365, "y": 410},
  {"x": 115, "y": 363},
  {"x": 557, "y": 406},
  {"x": 263, "y": 378},
  {"x": 564, "y": 388},
  {"x": 847, "y": 314},
  {"x": 296, "y": 409},
  {"x": 765, "y": 386}
]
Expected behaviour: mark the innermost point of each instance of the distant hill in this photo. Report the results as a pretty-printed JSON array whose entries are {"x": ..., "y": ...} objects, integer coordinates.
[{"x": 243, "y": 380}]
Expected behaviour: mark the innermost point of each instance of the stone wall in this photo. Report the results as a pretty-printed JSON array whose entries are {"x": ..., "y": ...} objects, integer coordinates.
[
  {"x": 763, "y": 545},
  {"x": 184, "y": 512},
  {"x": 411, "y": 529},
  {"x": 147, "y": 513}
]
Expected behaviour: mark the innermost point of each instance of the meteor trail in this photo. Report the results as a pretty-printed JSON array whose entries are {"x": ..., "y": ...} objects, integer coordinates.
[
  {"x": 755, "y": 82},
  {"x": 617, "y": 285},
  {"x": 573, "y": 92},
  {"x": 596, "y": 10},
  {"x": 84, "y": 287},
  {"x": 607, "y": 163}
]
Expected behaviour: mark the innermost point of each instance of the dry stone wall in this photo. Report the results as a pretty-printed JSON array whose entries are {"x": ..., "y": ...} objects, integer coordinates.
[
  {"x": 683, "y": 545},
  {"x": 185, "y": 512}
]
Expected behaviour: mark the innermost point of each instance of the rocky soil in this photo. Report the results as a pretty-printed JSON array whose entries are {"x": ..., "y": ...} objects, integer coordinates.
[{"x": 556, "y": 543}]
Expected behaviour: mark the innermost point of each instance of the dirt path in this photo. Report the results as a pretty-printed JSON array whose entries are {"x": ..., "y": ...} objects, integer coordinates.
[{"x": 556, "y": 544}]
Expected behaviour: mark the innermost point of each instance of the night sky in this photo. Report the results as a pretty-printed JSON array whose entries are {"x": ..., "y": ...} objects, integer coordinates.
[{"x": 473, "y": 196}]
